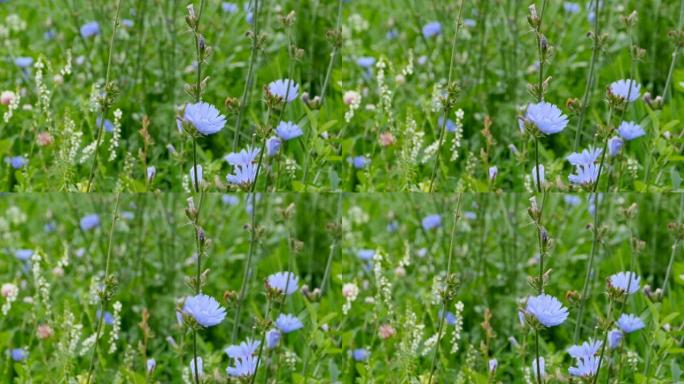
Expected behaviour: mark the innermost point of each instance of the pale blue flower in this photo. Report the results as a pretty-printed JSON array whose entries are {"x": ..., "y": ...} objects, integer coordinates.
[
  {"x": 546, "y": 117},
  {"x": 630, "y": 323},
  {"x": 585, "y": 175},
  {"x": 547, "y": 310},
  {"x": 16, "y": 162},
  {"x": 108, "y": 318},
  {"x": 627, "y": 89},
  {"x": 365, "y": 62},
  {"x": 285, "y": 89},
  {"x": 615, "y": 144},
  {"x": 272, "y": 338},
  {"x": 244, "y": 367},
  {"x": 19, "y": 354},
  {"x": 431, "y": 29},
  {"x": 89, "y": 222},
  {"x": 630, "y": 130},
  {"x": 231, "y": 200},
  {"x": 614, "y": 338},
  {"x": 199, "y": 175},
  {"x": 492, "y": 364},
  {"x": 204, "y": 117},
  {"x": 358, "y": 162},
  {"x": 431, "y": 222},
  {"x": 229, "y": 7},
  {"x": 23, "y": 62},
  {"x": 244, "y": 157},
  {"x": 288, "y": 323},
  {"x": 204, "y": 309},
  {"x": 244, "y": 175},
  {"x": 151, "y": 172},
  {"x": 571, "y": 7},
  {"x": 284, "y": 282},
  {"x": 360, "y": 354},
  {"x": 108, "y": 125},
  {"x": 586, "y": 349},
  {"x": 197, "y": 367},
  {"x": 151, "y": 364},
  {"x": 273, "y": 145},
  {"x": 128, "y": 23},
  {"x": 449, "y": 318},
  {"x": 626, "y": 282},
  {"x": 90, "y": 29},
  {"x": 586, "y": 367},
  {"x": 450, "y": 125},
  {"x": 493, "y": 171},
  {"x": 470, "y": 23},
  {"x": 572, "y": 200},
  {"x": 542, "y": 369},
  {"x": 365, "y": 254},
  {"x": 541, "y": 174},
  {"x": 244, "y": 349},
  {"x": 288, "y": 130},
  {"x": 23, "y": 254},
  {"x": 587, "y": 156}
]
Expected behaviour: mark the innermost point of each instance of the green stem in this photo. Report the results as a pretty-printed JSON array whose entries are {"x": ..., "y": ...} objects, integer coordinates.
[
  {"x": 105, "y": 294},
  {"x": 590, "y": 78},
  {"x": 250, "y": 76},
  {"x": 445, "y": 302},
  {"x": 105, "y": 103}
]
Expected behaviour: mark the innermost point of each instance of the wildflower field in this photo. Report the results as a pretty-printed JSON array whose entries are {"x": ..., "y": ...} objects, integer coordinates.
[
  {"x": 405, "y": 95},
  {"x": 406, "y": 288}
]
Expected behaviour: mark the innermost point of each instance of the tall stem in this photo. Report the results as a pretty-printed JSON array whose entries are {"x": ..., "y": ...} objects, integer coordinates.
[
  {"x": 445, "y": 301},
  {"x": 605, "y": 340},
  {"x": 448, "y": 101},
  {"x": 105, "y": 293},
  {"x": 587, "y": 277},
  {"x": 675, "y": 54},
  {"x": 333, "y": 247},
  {"x": 590, "y": 77},
  {"x": 250, "y": 76},
  {"x": 198, "y": 95},
  {"x": 105, "y": 103},
  {"x": 248, "y": 263},
  {"x": 335, "y": 52},
  {"x": 674, "y": 248}
]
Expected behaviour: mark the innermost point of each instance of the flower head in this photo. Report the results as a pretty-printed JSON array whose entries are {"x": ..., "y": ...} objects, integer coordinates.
[
  {"x": 586, "y": 367},
  {"x": 541, "y": 174},
  {"x": 288, "y": 130},
  {"x": 585, "y": 175},
  {"x": 244, "y": 367},
  {"x": 19, "y": 354},
  {"x": 625, "y": 282},
  {"x": 197, "y": 367},
  {"x": 547, "y": 310},
  {"x": 273, "y": 145},
  {"x": 542, "y": 369},
  {"x": 431, "y": 29},
  {"x": 492, "y": 364},
  {"x": 244, "y": 157},
  {"x": 284, "y": 89},
  {"x": 630, "y": 323},
  {"x": 16, "y": 162},
  {"x": 284, "y": 282},
  {"x": 272, "y": 338},
  {"x": 449, "y": 317},
  {"x": 586, "y": 349},
  {"x": 431, "y": 222},
  {"x": 614, "y": 338},
  {"x": 288, "y": 323},
  {"x": 627, "y": 90},
  {"x": 365, "y": 62},
  {"x": 630, "y": 130},
  {"x": 90, "y": 221},
  {"x": 546, "y": 117},
  {"x": 23, "y": 254},
  {"x": 244, "y": 349},
  {"x": 358, "y": 162},
  {"x": 244, "y": 175},
  {"x": 151, "y": 364},
  {"x": 365, "y": 254},
  {"x": 204, "y": 309},
  {"x": 23, "y": 62},
  {"x": 204, "y": 117},
  {"x": 615, "y": 144},
  {"x": 199, "y": 175},
  {"x": 360, "y": 354},
  {"x": 587, "y": 156},
  {"x": 90, "y": 29},
  {"x": 450, "y": 125}
]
